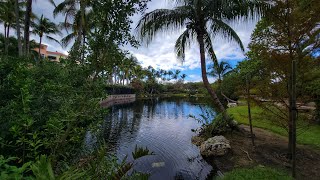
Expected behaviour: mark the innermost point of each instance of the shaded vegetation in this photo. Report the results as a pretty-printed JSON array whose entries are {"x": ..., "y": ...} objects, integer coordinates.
[{"x": 256, "y": 173}]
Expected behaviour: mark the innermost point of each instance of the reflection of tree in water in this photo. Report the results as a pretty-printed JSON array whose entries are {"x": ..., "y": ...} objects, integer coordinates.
[
  {"x": 150, "y": 105},
  {"x": 123, "y": 120},
  {"x": 127, "y": 125}
]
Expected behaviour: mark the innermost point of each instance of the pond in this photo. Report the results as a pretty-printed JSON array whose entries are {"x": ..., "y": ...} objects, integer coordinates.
[{"x": 164, "y": 127}]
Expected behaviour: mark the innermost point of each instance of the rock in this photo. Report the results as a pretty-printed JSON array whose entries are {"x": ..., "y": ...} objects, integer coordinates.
[
  {"x": 215, "y": 146},
  {"x": 232, "y": 105},
  {"x": 196, "y": 140}
]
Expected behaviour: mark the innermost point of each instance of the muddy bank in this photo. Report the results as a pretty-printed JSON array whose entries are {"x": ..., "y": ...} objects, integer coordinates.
[{"x": 270, "y": 150}]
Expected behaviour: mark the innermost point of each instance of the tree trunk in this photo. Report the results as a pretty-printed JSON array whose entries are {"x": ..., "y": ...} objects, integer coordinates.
[
  {"x": 249, "y": 112},
  {"x": 40, "y": 48},
  {"x": 27, "y": 20},
  {"x": 16, "y": 6},
  {"x": 289, "y": 153},
  {"x": 205, "y": 78},
  {"x": 5, "y": 39},
  {"x": 128, "y": 79},
  {"x": 294, "y": 116},
  {"x": 8, "y": 39}
]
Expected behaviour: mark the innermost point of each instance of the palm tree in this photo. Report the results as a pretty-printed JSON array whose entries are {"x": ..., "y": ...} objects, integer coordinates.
[
  {"x": 27, "y": 22},
  {"x": 219, "y": 70},
  {"x": 183, "y": 76},
  {"x": 170, "y": 73},
  {"x": 7, "y": 17},
  {"x": 176, "y": 74},
  {"x": 77, "y": 16},
  {"x": 17, "y": 15},
  {"x": 44, "y": 27},
  {"x": 201, "y": 20}
]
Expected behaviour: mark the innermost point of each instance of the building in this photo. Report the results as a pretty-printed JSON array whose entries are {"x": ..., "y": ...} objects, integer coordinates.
[{"x": 53, "y": 56}]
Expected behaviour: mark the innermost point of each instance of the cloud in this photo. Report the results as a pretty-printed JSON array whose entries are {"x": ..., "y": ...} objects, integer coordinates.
[{"x": 160, "y": 53}]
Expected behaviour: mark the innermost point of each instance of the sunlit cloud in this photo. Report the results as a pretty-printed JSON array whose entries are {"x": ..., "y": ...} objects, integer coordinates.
[{"x": 160, "y": 52}]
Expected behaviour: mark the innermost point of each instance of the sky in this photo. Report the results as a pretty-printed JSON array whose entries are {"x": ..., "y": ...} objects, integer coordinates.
[{"x": 160, "y": 53}]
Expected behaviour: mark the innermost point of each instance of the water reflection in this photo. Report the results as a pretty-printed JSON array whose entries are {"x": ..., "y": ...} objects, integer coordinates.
[{"x": 163, "y": 126}]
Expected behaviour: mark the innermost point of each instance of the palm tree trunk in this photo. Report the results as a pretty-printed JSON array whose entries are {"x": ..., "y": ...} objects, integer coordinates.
[
  {"x": 205, "y": 78},
  {"x": 27, "y": 20},
  {"x": 127, "y": 78},
  {"x": 8, "y": 39},
  {"x": 40, "y": 48},
  {"x": 16, "y": 6},
  {"x": 5, "y": 39}
]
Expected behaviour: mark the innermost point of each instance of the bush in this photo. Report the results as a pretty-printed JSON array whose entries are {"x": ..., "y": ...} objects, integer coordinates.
[
  {"x": 218, "y": 126},
  {"x": 119, "y": 89},
  {"x": 221, "y": 125},
  {"x": 46, "y": 108}
]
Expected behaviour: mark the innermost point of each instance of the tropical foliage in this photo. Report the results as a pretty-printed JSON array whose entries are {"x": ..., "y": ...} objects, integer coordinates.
[
  {"x": 203, "y": 21},
  {"x": 47, "y": 107}
]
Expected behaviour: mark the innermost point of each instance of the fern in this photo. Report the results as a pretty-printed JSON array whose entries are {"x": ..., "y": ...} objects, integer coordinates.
[{"x": 140, "y": 152}]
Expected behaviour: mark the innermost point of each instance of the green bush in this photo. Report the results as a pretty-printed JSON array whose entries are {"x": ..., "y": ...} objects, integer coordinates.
[
  {"x": 221, "y": 125},
  {"x": 8, "y": 171},
  {"x": 46, "y": 108}
]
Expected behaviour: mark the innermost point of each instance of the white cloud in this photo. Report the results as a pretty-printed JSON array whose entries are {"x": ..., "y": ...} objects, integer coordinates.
[{"x": 160, "y": 53}]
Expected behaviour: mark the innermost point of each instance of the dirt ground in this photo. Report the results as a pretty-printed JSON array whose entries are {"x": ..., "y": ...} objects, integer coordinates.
[{"x": 270, "y": 150}]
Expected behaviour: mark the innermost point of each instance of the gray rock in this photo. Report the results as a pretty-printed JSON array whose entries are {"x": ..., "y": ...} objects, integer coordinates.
[{"x": 215, "y": 146}]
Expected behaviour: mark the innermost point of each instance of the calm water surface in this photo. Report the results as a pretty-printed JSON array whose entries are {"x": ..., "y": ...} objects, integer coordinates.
[{"x": 164, "y": 127}]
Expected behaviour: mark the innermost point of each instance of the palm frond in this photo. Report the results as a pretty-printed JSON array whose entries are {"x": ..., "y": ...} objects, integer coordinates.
[
  {"x": 67, "y": 39},
  {"x": 209, "y": 48},
  {"x": 235, "y": 9},
  {"x": 52, "y": 2},
  {"x": 182, "y": 43},
  {"x": 53, "y": 39},
  {"x": 64, "y": 6},
  {"x": 217, "y": 26},
  {"x": 161, "y": 20}
]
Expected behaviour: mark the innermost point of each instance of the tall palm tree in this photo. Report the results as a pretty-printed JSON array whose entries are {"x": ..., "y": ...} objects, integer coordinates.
[
  {"x": 201, "y": 20},
  {"x": 27, "y": 22},
  {"x": 7, "y": 17},
  {"x": 176, "y": 74},
  {"x": 44, "y": 27},
  {"x": 183, "y": 76},
  {"x": 77, "y": 16},
  {"x": 17, "y": 15},
  {"x": 219, "y": 70}
]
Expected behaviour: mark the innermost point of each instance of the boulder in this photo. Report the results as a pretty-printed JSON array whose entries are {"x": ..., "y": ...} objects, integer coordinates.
[{"x": 215, "y": 146}]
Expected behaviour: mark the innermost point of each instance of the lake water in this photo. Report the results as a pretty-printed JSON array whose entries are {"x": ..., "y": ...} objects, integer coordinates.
[{"x": 164, "y": 127}]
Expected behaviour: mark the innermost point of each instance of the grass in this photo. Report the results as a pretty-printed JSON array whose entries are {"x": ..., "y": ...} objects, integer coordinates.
[
  {"x": 262, "y": 173},
  {"x": 309, "y": 136}
]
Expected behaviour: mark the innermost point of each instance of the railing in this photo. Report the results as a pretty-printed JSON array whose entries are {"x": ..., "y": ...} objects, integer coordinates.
[{"x": 118, "y": 99}]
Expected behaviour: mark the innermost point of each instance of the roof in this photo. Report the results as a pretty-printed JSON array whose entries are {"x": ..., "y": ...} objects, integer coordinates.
[{"x": 56, "y": 53}]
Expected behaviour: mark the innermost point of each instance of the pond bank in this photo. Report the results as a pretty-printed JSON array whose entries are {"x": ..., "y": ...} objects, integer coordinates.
[{"x": 270, "y": 151}]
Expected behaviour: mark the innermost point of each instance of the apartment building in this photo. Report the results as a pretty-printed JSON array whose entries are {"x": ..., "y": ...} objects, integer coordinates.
[{"x": 53, "y": 56}]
